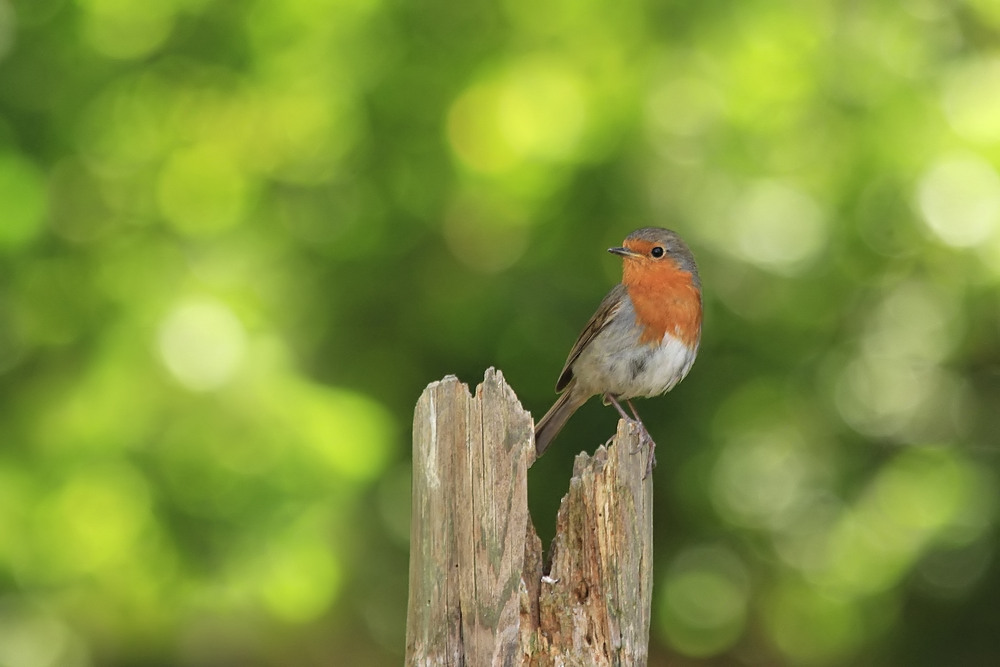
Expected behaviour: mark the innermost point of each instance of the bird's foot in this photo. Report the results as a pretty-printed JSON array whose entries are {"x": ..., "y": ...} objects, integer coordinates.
[
  {"x": 644, "y": 436},
  {"x": 644, "y": 439}
]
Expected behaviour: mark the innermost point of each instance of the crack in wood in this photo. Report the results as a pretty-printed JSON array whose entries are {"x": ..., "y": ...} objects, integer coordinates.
[{"x": 477, "y": 593}]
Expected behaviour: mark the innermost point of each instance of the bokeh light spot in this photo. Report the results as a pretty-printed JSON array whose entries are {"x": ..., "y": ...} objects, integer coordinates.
[
  {"x": 803, "y": 541},
  {"x": 891, "y": 334},
  {"x": 32, "y": 636},
  {"x": 348, "y": 431},
  {"x": 811, "y": 627},
  {"x": 23, "y": 201},
  {"x": 473, "y": 132},
  {"x": 760, "y": 478},
  {"x": 541, "y": 110},
  {"x": 880, "y": 399},
  {"x": 202, "y": 344},
  {"x": 684, "y": 106},
  {"x": 923, "y": 490},
  {"x": 91, "y": 523},
  {"x": 959, "y": 198},
  {"x": 916, "y": 501},
  {"x": 777, "y": 227},
  {"x": 972, "y": 100},
  {"x": 300, "y": 580},
  {"x": 987, "y": 10},
  {"x": 896, "y": 385},
  {"x": 535, "y": 109},
  {"x": 127, "y": 127},
  {"x": 679, "y": 111},
  {"x": 868, "y": 553},
  {"x": 202, "y": 191},
  {"x": 127, "y": 28},
  {"x": 307, "y": 128},
  {"x": 703, "y": 603}
]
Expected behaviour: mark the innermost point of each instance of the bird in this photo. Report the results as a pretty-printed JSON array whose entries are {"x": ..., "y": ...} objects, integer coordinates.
[{"x": 642, "y": 340}]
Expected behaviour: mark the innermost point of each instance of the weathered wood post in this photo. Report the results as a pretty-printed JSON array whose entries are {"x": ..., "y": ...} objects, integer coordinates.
[{"x": 478, "y": 592}]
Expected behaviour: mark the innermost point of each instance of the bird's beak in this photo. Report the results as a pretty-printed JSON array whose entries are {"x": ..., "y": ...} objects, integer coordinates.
[{"x": 624, "y": 252}]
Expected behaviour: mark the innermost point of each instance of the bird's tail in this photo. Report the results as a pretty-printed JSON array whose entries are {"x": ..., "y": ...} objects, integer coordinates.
[{"x": 553, "y": 421}]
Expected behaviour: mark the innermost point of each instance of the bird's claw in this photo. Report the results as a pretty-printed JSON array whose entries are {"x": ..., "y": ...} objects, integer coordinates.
[{"x": 644, "y": 438}]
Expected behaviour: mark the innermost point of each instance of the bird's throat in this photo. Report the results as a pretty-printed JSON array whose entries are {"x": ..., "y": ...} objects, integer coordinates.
[{"x": 665, "y": 301}]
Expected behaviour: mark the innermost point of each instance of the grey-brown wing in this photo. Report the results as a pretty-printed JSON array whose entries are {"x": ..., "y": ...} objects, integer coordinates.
[{"x": 611, "y": 304}]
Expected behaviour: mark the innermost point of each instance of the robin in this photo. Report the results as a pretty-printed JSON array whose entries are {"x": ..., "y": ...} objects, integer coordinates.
[{"x": 643, "y": 338}]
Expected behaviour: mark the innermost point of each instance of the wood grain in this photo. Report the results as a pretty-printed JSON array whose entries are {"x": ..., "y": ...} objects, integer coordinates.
[{"x": 479, "y": 590}]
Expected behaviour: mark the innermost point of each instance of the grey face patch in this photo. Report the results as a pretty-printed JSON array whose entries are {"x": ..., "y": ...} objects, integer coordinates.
[{"x": 672, "y": 243}]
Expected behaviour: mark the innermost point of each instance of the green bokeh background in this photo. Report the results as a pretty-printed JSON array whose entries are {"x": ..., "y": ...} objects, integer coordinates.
[{"x": 238, "y": 237}]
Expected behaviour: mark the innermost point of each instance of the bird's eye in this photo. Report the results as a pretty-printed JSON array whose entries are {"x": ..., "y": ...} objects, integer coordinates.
[{"x": 657, "y": 252}]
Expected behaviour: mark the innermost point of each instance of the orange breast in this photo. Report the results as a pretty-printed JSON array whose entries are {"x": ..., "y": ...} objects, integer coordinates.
[{"x": 665, "y": 301}]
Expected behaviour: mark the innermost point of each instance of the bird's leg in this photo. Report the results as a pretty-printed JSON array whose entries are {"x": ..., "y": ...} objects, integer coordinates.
[
  {"x": 608, "y": 398},
  {"x": 643, "y": 432},
  {"x": 618, "y": 406},
  {"x": 644, "y": 435}
]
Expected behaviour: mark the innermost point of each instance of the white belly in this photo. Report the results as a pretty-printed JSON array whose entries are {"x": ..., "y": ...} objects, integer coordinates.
[{"x": 628, "y": 369}]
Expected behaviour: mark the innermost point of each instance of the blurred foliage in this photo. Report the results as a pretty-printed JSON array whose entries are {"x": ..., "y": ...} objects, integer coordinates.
[{"x": 237, "y": 238}]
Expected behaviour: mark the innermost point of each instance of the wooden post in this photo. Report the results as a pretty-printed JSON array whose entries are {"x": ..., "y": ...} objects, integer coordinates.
[{"x": 479, "y": 591}]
